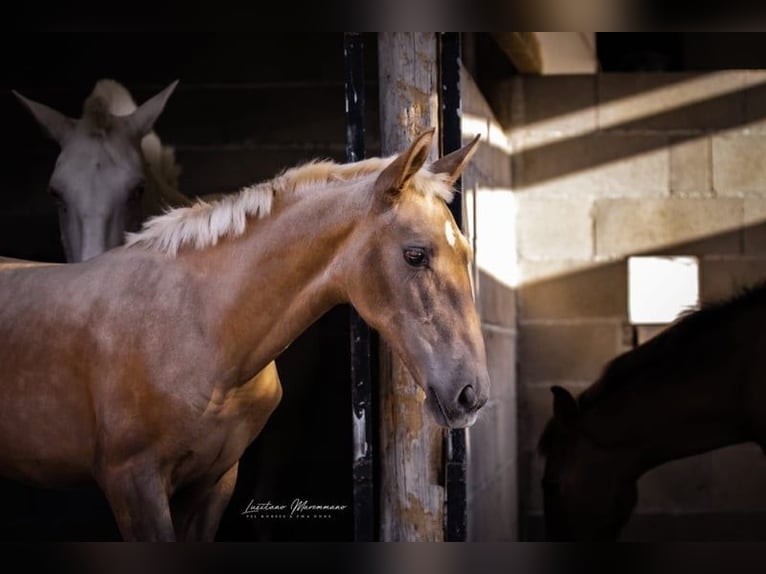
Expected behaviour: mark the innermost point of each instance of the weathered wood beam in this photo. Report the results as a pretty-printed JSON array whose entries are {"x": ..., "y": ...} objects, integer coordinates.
[{"x": 411, "y": 457}]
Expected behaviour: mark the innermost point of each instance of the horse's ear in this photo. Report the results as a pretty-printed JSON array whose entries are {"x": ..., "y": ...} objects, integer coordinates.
[
  {"x": 454, "y": 163},
  {"x": 57, "y": 125},
  {"x": 564, "y": 406},
  {"x": 141, "y": 121},
  {"x": 398, "y": 174}
]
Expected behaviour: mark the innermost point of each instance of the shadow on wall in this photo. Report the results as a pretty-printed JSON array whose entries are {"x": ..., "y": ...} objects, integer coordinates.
[
  {"x": 656, "y": 111},
  {"x": 571, "y": 325}
]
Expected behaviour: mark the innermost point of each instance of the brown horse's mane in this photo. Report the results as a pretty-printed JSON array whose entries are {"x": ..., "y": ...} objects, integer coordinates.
[
  {"x": 204, "y": 223},
  {"x": 660, "y": 352}
]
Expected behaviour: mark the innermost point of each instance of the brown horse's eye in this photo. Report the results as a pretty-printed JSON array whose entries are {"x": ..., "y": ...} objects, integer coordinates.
[{"x": 415, "y": 257}]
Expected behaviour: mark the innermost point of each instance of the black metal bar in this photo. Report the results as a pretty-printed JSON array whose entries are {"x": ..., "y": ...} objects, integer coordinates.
[
  {"x": 456, "y": 511},
  {"x": 361, "y": 348},
  {"x": 451, "y": 133}
]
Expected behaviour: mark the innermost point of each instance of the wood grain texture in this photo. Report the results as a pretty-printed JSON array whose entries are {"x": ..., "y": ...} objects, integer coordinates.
[{"x": 412, "y": 495}]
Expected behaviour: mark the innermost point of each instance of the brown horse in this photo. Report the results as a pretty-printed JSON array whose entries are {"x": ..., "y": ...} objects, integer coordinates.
[
  {"x": 141, "y": 369},
  {"x": 695, "y": 387}
]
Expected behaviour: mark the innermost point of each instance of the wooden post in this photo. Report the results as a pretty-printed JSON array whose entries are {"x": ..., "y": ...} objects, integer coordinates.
[{"x": 411, "y": 457}]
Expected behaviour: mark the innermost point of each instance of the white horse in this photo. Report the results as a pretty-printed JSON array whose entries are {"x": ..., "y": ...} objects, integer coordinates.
[{"x": 112, "y": 172}]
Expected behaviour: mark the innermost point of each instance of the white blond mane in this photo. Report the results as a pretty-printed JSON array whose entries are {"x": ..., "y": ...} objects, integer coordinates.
[{"x": 204, "y": 223}]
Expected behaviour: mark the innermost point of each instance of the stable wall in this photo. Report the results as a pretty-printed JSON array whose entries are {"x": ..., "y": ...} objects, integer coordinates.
[
  {"x": 610, "y": 165},
  {"x": 489, "y": 218}
]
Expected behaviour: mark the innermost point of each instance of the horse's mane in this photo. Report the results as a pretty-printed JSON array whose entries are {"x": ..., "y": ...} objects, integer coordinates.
[
  {"x": 665, "y": 348},
  {"x": 204, "y": 223},
  {"x": 108, "y": 99}
]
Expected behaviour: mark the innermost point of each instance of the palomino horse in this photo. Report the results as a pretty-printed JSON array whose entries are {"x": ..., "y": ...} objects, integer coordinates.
[
  {"x": 108, "y": 159},
  {"x": 695, "y": 387},
  {"x": 141, "y": 369},
  {"x": 112, "y": 172}
]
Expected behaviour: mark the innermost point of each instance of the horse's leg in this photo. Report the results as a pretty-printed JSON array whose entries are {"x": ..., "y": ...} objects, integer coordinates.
[
  {"x": 139, "y": 501},
  {"x": 197, "y": 512}
]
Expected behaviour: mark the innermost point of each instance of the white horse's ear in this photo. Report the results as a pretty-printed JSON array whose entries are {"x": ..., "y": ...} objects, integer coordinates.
[
  {"x": 141, "y": 121},
  {"x": 454, "y": 163},
  {"x": 399, "y": 172},
  {"x": 57, "y": 125}
]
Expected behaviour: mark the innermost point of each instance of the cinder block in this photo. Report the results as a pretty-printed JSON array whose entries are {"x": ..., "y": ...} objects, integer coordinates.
[
  {"x": 739, "y": 479},
  {"x": 472, "y": 100},
  {"x": 500, "y": 346},
  {"x": 497, "y": 301},
  {"x": 255, "y": 115},
  {"x": 495, "y": 255},
  {"x": 683, "y": 485},
  {"x": 690, "y": 169},
  {"x": 493, "y": 514},
  {"x": 691, "y": 226},
  {"x": 721, "y": 279},
  {"x": 601, "y": 164},
  {"x": 647, "y": 332},
  {"x": 567, "y": 352},
  {"x": 493, "y": 444},
  {"x": 566, "y": 290},
  {"x": 755, "y": 226},
  {"x": 207, "y": 171},
  {"x": 755, "y": 100},
  {"x": 483, "y": 443},
  {"x": 738, "y": 166},
  {"x": 554, "y": 229},
  {"x": 670, "y": 101},
  {"x": 559, "y": 105},
  {"x": 508, "y": 432},
  {"x": 493, "y": 162}
]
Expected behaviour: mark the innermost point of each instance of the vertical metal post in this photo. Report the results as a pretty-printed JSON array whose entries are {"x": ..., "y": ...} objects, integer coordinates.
[
  {"x": 361, "y": 349},
  {"x": 455, "y": 459}
]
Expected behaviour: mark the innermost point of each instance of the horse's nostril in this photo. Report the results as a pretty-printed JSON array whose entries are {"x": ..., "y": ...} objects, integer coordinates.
[{"x": 467, "y": 397}]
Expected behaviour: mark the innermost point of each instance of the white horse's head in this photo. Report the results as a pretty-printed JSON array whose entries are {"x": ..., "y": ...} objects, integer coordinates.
[{"x": 99, "y": 177}]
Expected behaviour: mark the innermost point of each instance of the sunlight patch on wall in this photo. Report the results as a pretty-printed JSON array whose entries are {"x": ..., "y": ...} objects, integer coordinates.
[
  {"x": 491, "y": 132},
  {"x": 661, "y": 288},
  {"x": 646, "y": 103},
  {"x": 496, "y": 253}
]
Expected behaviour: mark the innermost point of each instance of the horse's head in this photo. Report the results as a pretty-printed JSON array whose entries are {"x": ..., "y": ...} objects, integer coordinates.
[
  {"x": 98, "y": 179},
  {"x": 586, "y": 493},
  {"x": 412, "y": 281}
]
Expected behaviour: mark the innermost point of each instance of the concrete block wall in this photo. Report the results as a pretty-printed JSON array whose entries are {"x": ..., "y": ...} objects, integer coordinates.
[
  {"x": 488, "y": 216},
  {"x": 611, "y": 165}
]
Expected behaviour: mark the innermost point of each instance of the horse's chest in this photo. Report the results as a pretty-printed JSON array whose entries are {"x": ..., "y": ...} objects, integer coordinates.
[{"x": 227, "y": 428}]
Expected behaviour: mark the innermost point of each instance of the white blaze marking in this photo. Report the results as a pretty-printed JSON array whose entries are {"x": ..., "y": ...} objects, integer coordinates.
[{"x": 450, "y": 233}]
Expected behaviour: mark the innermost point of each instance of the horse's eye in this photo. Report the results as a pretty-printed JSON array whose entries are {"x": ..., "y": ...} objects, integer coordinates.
[{"x": 415, "y": 257}]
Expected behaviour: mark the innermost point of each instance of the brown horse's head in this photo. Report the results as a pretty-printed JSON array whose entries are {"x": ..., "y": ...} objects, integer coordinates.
[
  {"x": 587, "y": 494},
  {"x": 412, "y": 281}
]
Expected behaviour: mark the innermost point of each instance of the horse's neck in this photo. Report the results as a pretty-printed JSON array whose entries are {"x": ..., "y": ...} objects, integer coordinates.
[
  {"x": 273, "y": 282},
  {"x": 669, "y": 422}
]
